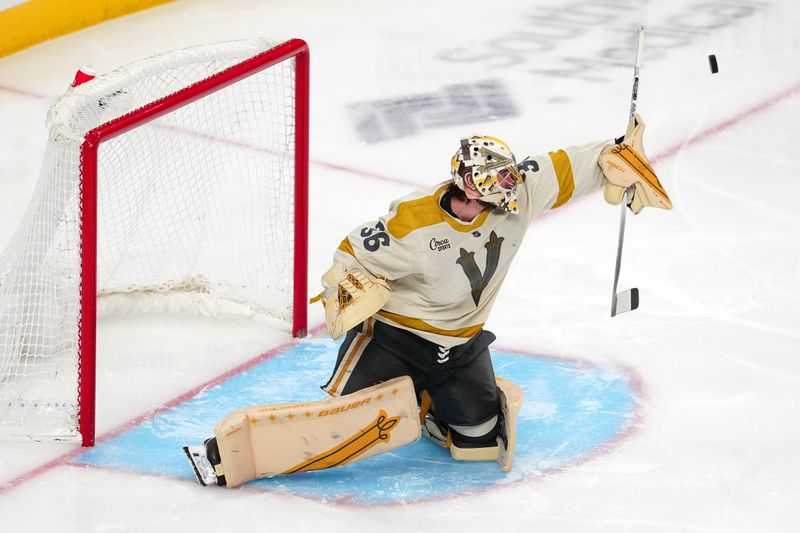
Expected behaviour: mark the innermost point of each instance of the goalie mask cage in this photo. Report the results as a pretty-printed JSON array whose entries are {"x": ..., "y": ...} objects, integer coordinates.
[{"x": 177, "y": 183}]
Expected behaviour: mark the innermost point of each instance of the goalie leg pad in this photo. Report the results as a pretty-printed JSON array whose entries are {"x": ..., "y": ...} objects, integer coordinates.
[
  {"x": 510, "y": 403},
  {"x": 268, "y": 440}
]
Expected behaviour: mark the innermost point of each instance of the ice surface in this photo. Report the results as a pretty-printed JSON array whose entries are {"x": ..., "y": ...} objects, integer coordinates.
[{"x": 714, "y": 346}]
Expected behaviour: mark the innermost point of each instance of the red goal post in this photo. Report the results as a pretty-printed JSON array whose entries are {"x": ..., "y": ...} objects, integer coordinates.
[{"x": 201, "y": 140}]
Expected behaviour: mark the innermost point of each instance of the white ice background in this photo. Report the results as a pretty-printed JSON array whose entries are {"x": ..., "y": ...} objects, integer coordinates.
[{"x": 716, "y": 341}]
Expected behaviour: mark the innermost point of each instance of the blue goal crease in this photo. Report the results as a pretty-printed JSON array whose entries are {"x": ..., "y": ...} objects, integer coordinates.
[{"x": 571, "y": 410}]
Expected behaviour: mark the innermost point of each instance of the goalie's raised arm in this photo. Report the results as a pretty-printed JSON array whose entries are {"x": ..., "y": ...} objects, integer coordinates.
[{"x": 552, "y": 180}]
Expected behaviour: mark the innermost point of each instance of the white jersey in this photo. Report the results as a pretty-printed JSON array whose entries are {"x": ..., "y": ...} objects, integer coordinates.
[{"x": 445, "y": 274}]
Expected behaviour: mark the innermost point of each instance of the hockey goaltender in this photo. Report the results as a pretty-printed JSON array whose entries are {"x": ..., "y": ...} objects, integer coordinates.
[{"x": 410, "y": 292}]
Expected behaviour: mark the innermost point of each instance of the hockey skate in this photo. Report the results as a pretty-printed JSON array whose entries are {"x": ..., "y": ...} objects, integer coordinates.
[
  {"x": 206, "y": 463},
  {"x": 440, "y": 433},
  {"x": 436, "y": 430},
  {"x": 510, "y": 396}
]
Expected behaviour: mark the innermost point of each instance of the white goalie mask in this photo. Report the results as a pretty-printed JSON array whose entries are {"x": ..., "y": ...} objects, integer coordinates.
[{"x": 486, "y": 166}]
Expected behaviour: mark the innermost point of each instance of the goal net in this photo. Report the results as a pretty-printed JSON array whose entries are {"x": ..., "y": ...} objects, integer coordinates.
[{"x": 177, "y": 183}]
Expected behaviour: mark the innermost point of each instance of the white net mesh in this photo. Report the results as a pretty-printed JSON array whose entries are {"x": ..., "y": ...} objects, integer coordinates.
[{"x": 195, "y": 213}]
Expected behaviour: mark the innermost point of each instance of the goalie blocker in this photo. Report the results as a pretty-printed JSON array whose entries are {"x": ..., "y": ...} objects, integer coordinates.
[
  {"x": 270, "y": 440},
  {"x": 625, "y": 166}
]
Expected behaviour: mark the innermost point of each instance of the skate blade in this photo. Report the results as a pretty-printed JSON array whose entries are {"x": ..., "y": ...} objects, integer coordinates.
[{"x": 202, "y": 469}]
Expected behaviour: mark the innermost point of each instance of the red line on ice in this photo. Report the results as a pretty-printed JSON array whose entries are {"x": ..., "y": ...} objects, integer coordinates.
[
  {"x": 729, "y": 123},
  {"x": 23, "y": 92}
]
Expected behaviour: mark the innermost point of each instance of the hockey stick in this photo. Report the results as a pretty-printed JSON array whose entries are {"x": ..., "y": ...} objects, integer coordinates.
[{"x": 627, "y": 300}]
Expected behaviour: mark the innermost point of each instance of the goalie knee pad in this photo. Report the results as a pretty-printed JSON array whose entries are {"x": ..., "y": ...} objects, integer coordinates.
[
  {"x": 510, "y": 404},
  {"x": 472, "y": 443},
  {"x": 476, "y": 436},
  {"x": 476, "y": 443}
]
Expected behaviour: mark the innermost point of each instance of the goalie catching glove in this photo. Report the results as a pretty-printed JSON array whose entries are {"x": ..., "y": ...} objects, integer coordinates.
[
  {"x": 625, "y": 165},
  {"x": 350, "y": 297}
]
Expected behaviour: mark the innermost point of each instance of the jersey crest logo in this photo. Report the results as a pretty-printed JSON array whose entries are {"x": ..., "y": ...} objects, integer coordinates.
[{"x": 479, "y": 280}]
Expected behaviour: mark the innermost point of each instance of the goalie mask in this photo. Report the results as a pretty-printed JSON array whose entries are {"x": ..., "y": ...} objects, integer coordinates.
[{"x": 485, "y": 167}]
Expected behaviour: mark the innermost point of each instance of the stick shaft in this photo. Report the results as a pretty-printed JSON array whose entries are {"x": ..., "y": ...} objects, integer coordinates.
[
  {"x": 637, "y": 64},
  {"x": 620, "y": 240},
  {"x": 624, "y": 205}
]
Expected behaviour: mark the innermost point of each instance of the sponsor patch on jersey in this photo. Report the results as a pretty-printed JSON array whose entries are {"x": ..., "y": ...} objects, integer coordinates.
[{"x": 439, "y": 245}]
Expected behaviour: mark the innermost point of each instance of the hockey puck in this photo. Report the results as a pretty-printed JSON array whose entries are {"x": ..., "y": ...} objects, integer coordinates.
[{"x": 712, "y": 62}]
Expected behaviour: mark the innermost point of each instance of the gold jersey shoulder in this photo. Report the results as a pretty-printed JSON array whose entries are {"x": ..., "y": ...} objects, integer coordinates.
[{"x": 416, "y": 213}]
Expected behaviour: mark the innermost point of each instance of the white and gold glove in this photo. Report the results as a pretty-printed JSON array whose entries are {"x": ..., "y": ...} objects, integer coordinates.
[
  {"x": 625, "y": 165},
  {"x": 350, "y": 296}
]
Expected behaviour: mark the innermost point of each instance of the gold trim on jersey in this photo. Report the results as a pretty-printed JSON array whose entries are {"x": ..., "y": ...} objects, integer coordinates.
[
  {"x": 350, "y": 359},
  {"x": 566, "y": 180},
  {"x": 426, "y": 211},
  {"x": 346, "y": 247},
  {"x": 420, "y": 325}
]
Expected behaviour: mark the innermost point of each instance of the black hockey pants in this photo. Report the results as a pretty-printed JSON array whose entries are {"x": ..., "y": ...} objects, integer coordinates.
[{"x": 460, "y": 380}]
